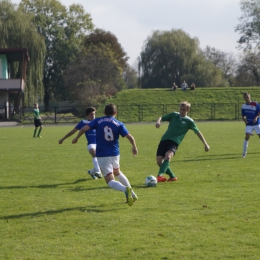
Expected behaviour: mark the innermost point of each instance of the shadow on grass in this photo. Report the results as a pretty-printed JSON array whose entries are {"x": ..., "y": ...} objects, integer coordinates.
[
  {"x": 211, "y": 157},
  {"x": 53, "y": 212},
  {"x": 45, "y": 186}
]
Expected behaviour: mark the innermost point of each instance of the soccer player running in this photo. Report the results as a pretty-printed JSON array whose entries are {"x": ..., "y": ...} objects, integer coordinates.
[
  {"x": 37, "y": 120},
  {"x": 108, "y": 130},
  {"x": 179, "y": 124},
  {"x": 250, "y": 115},
  {"x": 91, "y": 141}
]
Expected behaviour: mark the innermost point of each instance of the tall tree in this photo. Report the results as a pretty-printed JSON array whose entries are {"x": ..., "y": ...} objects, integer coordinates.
[
  {"x": 130, "y": 77},
  {"x": 17, "y": 32},
  {"x": 92, "y": 77},
  {"x": 226, "y": 62},
  {"x": 249, "y": 26},
  {"x": 248, "y": 72},
  {"x": 63, "y": 30},
  {"x": 98, "y": 69},
  {"x": 169, "y": 56},
  {"x": 101, "y": 38}
]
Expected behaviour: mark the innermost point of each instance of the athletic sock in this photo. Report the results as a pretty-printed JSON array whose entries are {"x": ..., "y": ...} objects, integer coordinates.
[
  {"x": 170, "y": 173},
  {"x": 164, "y": 166},
  {"x": 245, "y": 145},
  {"x": 116, "y": 185},
  {"x": 39, "y": 131},
  {"x": 34, "y": 135},
  {"x": 123, "y": 179},
  {"x": 95, "y": 163}
]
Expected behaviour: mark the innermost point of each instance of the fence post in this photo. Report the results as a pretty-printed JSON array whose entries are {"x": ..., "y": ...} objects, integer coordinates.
[
  {"x": 139, "y": 114},
  {"x": 55, "y": 115}
]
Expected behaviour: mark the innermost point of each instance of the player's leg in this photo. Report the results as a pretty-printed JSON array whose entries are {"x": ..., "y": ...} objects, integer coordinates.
[
  {"x": 40, "y": 129},
  {"x": 124, "y": 180},
  {"x": 96, "y": 170},
  {"x": 248, "y": 132},
  {"x": 107, "y": 166},
  {"x": 160, "y": 154},
  {"x": 160, "y": 161},
  {"x": 257, "y": 129},
  {"x": 168, "y": 148},
  {"x": 35, "y": 130}
]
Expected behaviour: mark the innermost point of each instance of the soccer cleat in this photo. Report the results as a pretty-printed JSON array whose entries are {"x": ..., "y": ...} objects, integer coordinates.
[
  {"x": 34, "y": 136},
  {"x": 92, "y": 175},
  {"x": 161, "y": 178},
  {"x": 39, "y": 136},
  {"x": 98, "y": 175},
  {"x": 134, "y": 196},
  {"x": 128, "y": 194},
  {"x": 172, "y": 179},
  {"x": 244, "y": 155}
]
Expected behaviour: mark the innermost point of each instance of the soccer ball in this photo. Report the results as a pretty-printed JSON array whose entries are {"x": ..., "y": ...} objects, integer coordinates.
[{"x": 150, "y": 181}]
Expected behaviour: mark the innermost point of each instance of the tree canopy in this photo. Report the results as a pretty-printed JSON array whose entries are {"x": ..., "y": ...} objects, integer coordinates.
[
  {"x": 173, "y": 56},
  {"x": 97, "y": 71},
  {"x": 63, "y": 30},
  {"x": 249, "y": 26}
]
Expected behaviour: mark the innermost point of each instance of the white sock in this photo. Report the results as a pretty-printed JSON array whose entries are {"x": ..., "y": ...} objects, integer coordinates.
[
  {"x": 245, "y": 147},
  {"x": 116, "y": 185},
  {"x": 123, "y": 179},
  {"x": 95, "y": 163},
  {"x": 92, "y": 171}
]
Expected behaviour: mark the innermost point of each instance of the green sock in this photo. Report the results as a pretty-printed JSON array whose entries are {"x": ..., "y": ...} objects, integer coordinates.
[
  {"x": 164, "y": 166},
  {"x": 39, "y": 131},
  {"x": 170, "y": 173},
  {"x": 34, "y": 132}
]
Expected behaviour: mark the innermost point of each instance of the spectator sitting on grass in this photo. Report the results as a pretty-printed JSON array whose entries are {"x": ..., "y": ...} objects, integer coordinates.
[
  {"x": 192, "y": 86},
  {"x": 174, "y": 86},
  {"x": 184, "y": 85}
]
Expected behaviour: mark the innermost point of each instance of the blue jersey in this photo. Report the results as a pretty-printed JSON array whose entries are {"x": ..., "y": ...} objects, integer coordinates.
[
  {"x": 90, "y": 134},
  {"x": 250, "y": 111},
  {"x": 108, "y": 130}
]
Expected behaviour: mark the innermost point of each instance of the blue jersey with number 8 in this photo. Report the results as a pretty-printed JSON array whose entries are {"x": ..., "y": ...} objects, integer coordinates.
[{"x": 108, "y": 130}]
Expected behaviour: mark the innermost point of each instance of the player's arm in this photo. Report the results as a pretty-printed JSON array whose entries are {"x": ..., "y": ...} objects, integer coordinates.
[
  {"x": 80, "y": 133},
  {"x": 244, "y": 119},
  {"x": 158, "y": 122},
  {"x": 72, "y": 132},
  {"x": 132, "y": 142},
  {"x": 201, "y": 137}
]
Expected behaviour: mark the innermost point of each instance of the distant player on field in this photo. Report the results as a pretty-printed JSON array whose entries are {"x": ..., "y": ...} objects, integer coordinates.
[
  {"x": 108, "y": 131},
  {"x": 37, "y": 120},
  {"x": 179, "y": 124},
  {"x": 250, "y": 115},
  {"x": 91, "y": 138}
]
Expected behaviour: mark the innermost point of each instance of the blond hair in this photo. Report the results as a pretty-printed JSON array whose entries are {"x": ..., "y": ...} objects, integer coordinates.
[{"x": 186, "y": 104}]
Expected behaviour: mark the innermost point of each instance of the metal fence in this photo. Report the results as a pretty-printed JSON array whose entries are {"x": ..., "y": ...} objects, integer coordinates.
[{"x": 135, "y": 113}]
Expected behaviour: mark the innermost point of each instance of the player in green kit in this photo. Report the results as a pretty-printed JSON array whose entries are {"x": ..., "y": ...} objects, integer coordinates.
[
  {"x": 37, "y": 121},
  {"x": 179, "y": 124}
]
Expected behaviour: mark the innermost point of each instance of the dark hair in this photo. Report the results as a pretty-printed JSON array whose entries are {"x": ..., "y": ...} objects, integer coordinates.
[
  {"x": 110, "y": 110},
  {"x": 246, "y": 93},
  {"x": 89, "y": 110}
]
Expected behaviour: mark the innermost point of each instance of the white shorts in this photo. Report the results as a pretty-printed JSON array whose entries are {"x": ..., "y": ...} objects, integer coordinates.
[
  {"x": 251, "y": 128},
  {"x": 91, "y": 146},
  {"x": 108, "y": 164}
]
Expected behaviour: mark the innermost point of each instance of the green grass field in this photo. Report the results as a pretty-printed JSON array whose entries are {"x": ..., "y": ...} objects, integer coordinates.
[{"x": 51, "y": 209}]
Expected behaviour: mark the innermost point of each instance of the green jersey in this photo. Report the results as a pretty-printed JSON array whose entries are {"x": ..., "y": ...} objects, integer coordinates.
[
  {"x": 178, "y": 127},
  {"x": 36, "y": 113}
]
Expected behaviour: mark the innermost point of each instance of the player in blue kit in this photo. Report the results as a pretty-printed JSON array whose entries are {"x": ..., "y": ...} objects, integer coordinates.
[
  {"x": 91, "y": 139},
  {"x": 250, "y": 115},
  {"x": 108, "y": 130}
]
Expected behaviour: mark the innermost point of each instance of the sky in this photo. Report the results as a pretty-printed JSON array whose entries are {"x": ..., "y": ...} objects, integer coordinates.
[{"x": 213, "y": 22}]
